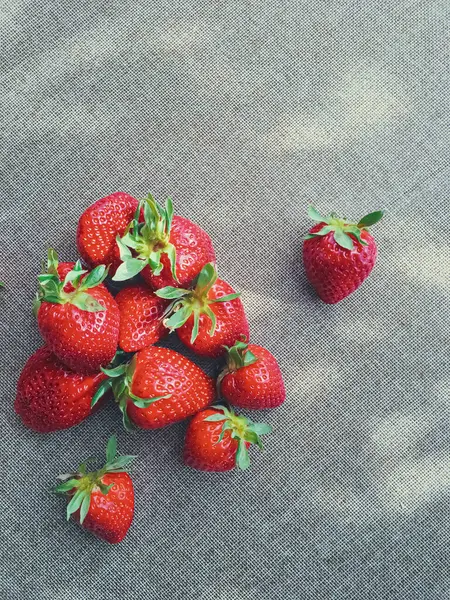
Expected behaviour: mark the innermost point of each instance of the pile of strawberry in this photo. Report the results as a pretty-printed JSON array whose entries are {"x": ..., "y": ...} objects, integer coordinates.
[{"x": 100, "y": 346}]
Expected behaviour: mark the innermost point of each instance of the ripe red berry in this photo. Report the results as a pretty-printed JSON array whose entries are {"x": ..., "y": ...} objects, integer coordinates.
[
  {"x": 102, "y": 501},
  {"x": 158, "y": 387},
  {"x": 165, "y": 249},
  {"x": 338, "y": 256},
  {"x": 99, "y": 226},
  {"x": 77, "y": 317},
  {"x": 218, "y": 440},
  {"x": 50, "y": 396},
  {"x": 207, "y": 317},
  {"x": 252, "y": 378}
]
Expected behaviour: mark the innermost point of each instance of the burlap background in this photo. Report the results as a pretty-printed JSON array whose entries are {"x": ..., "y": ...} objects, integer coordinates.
[{"x": 244, "y": 111}]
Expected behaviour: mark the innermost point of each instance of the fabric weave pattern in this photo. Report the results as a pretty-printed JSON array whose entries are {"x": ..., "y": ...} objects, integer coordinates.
[{"x": 244, "y": 112}]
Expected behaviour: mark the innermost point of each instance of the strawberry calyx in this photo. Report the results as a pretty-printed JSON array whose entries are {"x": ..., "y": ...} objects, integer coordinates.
[
  {"x": 81, "y": 484},
  {"x": 237, "y": 357},
  {"x": 120, "y": 378},
  {"x": 242, "y": 429},
  {"x": 194, "y": 301},
  {"x": 342, "y": 230},
  {"x": 145, "y": 242},
  {"x": 52, "y": 289}
]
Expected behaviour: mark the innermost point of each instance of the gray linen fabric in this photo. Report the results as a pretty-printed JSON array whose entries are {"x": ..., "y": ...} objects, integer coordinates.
[{"x": 244, "y": 112}]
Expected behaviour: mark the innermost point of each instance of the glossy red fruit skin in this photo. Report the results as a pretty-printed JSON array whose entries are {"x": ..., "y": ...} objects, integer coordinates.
[
  {"x": 50, "y": 397},
  {"x": 257, "y": 386},
  {"x": 161, "y": 371},
  {"x": 231, "y": 324},
  {"x": 99, "y": 226},
  {"x": 193, "y": 249},
  {"x": 109, "y": 516},
  {"x": 140, "y": 318},
  {"x": 82, "y": 340},
  {"x": 202, "y": 451},
  {"x": 333, "y": 271}
]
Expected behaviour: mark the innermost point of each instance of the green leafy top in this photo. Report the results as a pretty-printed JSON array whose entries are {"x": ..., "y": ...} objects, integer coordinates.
[
  {"x": 81, "y": 484},
  {"x": 194, "y": 302},
  {"x": 120, "y": 378},
  {"x": 144, "y": 243},
  {"x": 51, "y": 288},
  {"x": 343, "y": 231},
  {"x": 239, "y": 356},
  {"x": 242, "y": 429}
]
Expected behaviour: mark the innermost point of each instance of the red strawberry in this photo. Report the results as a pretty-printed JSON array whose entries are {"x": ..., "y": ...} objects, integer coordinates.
[
  {"x": 339, "y": 256},
  {"x": 50, "y": 397},
  {"x": 99, "y": 226},
  {"x": 165, "y": 249},
  {"x": 141, "y": 314},
  {"x": 252, "y": 378},
  {"x": 159, "y": 387},
  {"x": 207, "y": 317},
  {"x": 77, "y": 317},
  {"x": 217, "y": 440},
  {"x": 102, "y": 501}
]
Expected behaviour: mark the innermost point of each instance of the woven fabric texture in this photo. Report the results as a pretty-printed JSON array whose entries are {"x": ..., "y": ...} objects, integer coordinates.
[{"x": 244, "y": 112}]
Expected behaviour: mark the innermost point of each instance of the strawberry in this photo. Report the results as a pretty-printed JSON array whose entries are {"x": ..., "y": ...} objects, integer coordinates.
[
  {"x": 99, "y": 226},
  {"x": 50, "y": 397},
  {"x": 101, "y": 501},
  {"x": 207, "y": 317},
  {"x": 165, "y": 249},
  {"x": 218, "y": 440},
  {"x": 77, "y": 316},
  {"x": 158, "y": 387},
  {"x": 338, "y": 256},
  {"x": 141, "y": 314},
  {"x": 252, "y": 378}
]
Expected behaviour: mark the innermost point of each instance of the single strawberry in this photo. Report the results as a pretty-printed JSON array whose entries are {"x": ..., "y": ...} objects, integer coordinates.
[
  {"x": 338, "y": 256},
  {"x": 252, "y": 378},
  {"x": 50, "y": 397},
  {"x": 207, "y": 317},
  {"x": 99, "y": 226},
  {"x": 141, "y": 314},
  {"x": 165, "y": 249},
  {"x": 218, "y": 440},
  {"x": 101, "y": 501},
  {"x": 158, "y": 387},
  {"x": 77, "y": 316}
]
